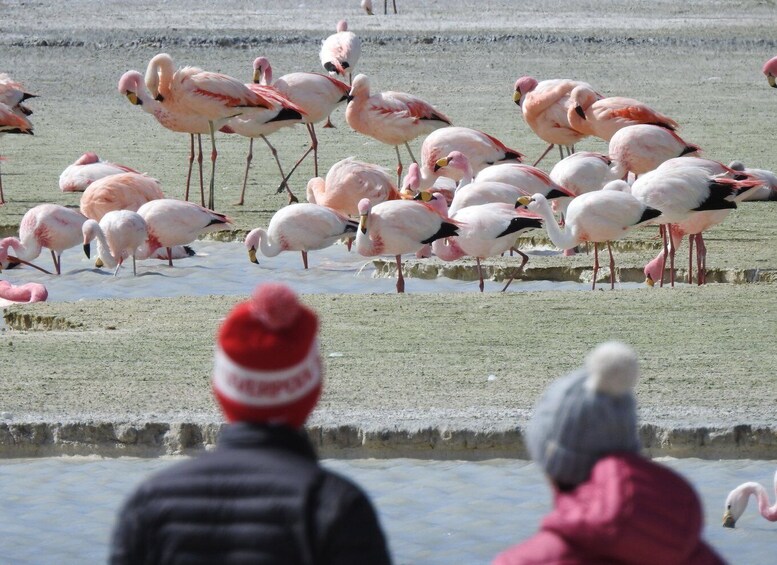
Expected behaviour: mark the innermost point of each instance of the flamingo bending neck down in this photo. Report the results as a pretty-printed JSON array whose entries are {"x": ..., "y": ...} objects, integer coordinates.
[
  {"x": 736, "y": 502},
  {"x": 119, "y": 234},
  {"x": 24, "y": 293}
]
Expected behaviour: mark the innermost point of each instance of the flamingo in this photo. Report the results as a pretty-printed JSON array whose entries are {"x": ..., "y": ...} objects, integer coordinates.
[
  {"x": 643, "y": 147},
  {"x": 174, "y": 223},
  {"x": 124, "y": 191},
  {"x": 284, "y": 113},
  {"x": 316, "y": 94},
  {"x": 736, "y": 502},
  {"x": 544, "y": 107},
  {"x": 119, "y": 235},
  {"x": 679, "y": 191},
  {"x": 214, "y": 96},
  {"x": 367, "y": 6},
  {"x": 591, "y": 114},
  {"x": 301, "y": 227},
  {"x": 393, "y": 118},
  {"x": 22, "y": 294},
  {"x": 485, "y": 230},
  {"x": 340, "y": 51},
  {"x": 347, "y": 182},
  {"x": 395, "y": 227},
  {"x": 768, "y": 189},
  {"x": 770, "y": 70},
  {"x": 12, "y": 94},
  {"x": 171, "y": 115},
  {"x": 480, "y": 148},
  {"x": 598, "y": 217},
  {"x": 87, "y": 169},
  {"x": 12, "y": 122},
  {"x": 46, "y": 225}
]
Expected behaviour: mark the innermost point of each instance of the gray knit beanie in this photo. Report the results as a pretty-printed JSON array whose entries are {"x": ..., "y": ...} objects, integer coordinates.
[{"x": 586, "y": 415}]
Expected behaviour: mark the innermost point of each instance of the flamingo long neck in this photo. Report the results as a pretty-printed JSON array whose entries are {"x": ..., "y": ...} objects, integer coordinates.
[
  {"x": 159, "y": 75},
  {"x": 563, "y": 239},
  {"x": 266, "y": 244},
  {"x": 103, "y": 249},
  {"x": 266, "y": 78},
  {"x": 447, "y": 249},
  {"x": 28, "y": 250},
  {"x": 364, "y": 243},
  {"x": 767, "y": 511},
  {"x": 467, "y": 178}
]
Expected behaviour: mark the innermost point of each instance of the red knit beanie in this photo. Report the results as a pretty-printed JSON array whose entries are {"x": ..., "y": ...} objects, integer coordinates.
[{"x": 267, "y": 367}]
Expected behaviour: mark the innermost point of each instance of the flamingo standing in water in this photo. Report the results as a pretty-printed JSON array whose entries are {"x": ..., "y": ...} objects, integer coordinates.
[
  {"x": 174, "y": 223},
  {"x": 480, "y": 148},
  {"x": 597, "y": 217},
  {"x": 340, "y": 52},
  {"x": 47, "y": 225},
  {"x": 125, "y": 191},
  {"x": 119, "y": 235},
  {"x": 302, "y": 227},
  {"x": 545, "y": 106},
  {"x": 316, "y": 94},
  {"x": 87, "y": 169},
  {"x": 170, "y": 113},
  {"x": 591, "y": 114},
  {"x": 393, "y": 118},
  {"x": 736, "y": 502},
  {"x": 214, "y": 96},
  {"x": 347, "y": 182},
  {"x": 399, "y": 226},
  {"x": 643, "y": 147}
]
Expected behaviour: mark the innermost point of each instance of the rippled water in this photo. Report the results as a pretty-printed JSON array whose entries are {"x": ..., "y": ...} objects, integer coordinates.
[{"x": 61, "y": 510}]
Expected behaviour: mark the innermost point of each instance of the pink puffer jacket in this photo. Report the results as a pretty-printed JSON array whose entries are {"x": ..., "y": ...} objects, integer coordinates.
[{"x": 631, "y": 510}]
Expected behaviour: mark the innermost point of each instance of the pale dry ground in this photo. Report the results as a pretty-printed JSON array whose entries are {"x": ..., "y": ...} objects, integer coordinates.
[{"x": 708, "y": 353}]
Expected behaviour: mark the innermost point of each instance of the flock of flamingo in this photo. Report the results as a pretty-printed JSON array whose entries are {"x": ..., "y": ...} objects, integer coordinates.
[{"x": 470, "y": 194}]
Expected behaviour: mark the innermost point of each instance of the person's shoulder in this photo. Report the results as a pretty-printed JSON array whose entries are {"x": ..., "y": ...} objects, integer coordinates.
[{"x": 543, "y": 548}]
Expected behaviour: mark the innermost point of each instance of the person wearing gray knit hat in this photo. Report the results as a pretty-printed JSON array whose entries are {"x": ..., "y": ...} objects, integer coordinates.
[
  {"x": 609, "y": 502},
  {"x": 586, "y": 414}
]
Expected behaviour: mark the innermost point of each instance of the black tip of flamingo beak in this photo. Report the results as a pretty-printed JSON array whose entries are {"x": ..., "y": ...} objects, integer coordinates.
[
  {"x": 87, "y": 250},
  {"x": 579, "y": 111}
]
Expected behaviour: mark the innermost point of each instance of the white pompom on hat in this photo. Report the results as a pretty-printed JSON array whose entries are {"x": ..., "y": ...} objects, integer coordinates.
[{"x": 587, "y": 414}]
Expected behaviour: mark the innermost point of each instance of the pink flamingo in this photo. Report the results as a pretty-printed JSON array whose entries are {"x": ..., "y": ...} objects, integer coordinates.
[
  {"x": 544, "y": 107},
  {"x": 591, "y": 114},
  {"x": 340, "y": 51},
  {"x": 480, "y": 148},
  {"x": 173, "y": 223},
  {"x": 347, "y": 182},
  {"x": 596, "y": 217},
  {"x": 302, "y": 227},
  {"x": 119, "y": 235},
  {"x": 395, "y": 227},
  {"x": 171, "y": 115},
  {"x": 87, "y": 169},
  {"x": 393, "y": 118},
  {"x": 768, "y": 188},
  {"x": 22, "y": 294},
  {"x": 367, "y": 6},
  {"x": 485, "y": 230},
  {"x": 316, "y": 94},
  {"x": 736, "y": 502},
  {"x": 124, "y": 191},
  {"x": 681, "y": 191},
  {"x": 643, "y": 147},
  {"x": 47, "y": 225},
  {"x": 12, "y": 94},
  {"x": 214, "y": 96},
  {"x": 12, "y": 122},
  {"x": 583, "y": 171},
  {"x": 770, "y": 70}
]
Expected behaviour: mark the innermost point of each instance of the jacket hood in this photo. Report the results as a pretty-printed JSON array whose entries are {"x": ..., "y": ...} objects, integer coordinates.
[{"x": 631, "y": 510}]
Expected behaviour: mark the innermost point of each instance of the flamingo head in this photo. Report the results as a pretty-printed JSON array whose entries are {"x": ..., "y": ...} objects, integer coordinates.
[
  {"x": 359, "y": 87},
  {"x": 89, "y": 230},
  {"x": 88, "y": 158},
  {"x": 252, "y": 242},
  {"x": 262, "y": 71},
  {"x": 130, "y": 85},
  {"x": 412, "y": 180},
  {"x": 364, "y": 211},
  {"x": 736, "y": 502},
  {"x": 770, "y": 70},
  {"x": 523, "y": 86},
  {"x": 455, "y": 159},
  {"x": 342, "y": 25},
  {"x": 367, "y": 6},
  {"x": 532, "y": 203}
]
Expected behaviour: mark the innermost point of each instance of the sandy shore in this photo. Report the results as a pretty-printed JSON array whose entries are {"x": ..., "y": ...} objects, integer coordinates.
[{"x": 411, "y": 373}]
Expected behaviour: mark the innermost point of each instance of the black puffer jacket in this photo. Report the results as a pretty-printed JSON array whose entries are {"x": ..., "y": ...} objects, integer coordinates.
[{"x": 260, "y": 497}]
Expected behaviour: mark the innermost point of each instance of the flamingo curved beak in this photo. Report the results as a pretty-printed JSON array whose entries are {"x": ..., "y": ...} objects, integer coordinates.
[
  {"x": 517, "y": 97},
  {"x": 772, "y": 82},
  {"x": 257, "y": 78},
  {"x": 440, "y": 163},
  {"x": 579, "y": 111},
  {"x": 424, "y": 196},
  {"x": 363, "y": 223},
  {"x": 523, "y": 201},
  {"x": 133, "y": 98},
  {"x": 252, "y": 255},
  {"x": 649, "y": 281},
  {"x": 728, "y": 520},
  {"x": 87, "y": 250}
]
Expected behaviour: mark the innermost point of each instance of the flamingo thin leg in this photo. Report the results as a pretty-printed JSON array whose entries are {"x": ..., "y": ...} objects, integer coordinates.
[
  {"x": 399, "y": 166},
  {"x": 305, "y": 259},
  {"x": 481, "y": 285},
  {"x": 691, "y": 239},
  {"x": 400, "y": 278},
  {"x": 612, "y": 267},
  {"x": 284, "y": 184},
  {"x": 199, "y": 165},
  {"x": 249, "y": 158},
  {"x": 596, "y": 265},
  {"x": 547, "y": 150},
  {"x": 213, "y": 155},
  {"x": 661, "y": 229},
  {"x": 524, "y": 260},
  {"x": 191, "y": 163}
]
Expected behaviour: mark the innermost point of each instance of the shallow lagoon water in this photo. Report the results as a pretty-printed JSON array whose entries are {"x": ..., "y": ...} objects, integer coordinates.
[{"x": 62, "y": 510}]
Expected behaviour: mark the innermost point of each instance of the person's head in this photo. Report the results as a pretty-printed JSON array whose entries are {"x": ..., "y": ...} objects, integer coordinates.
[
  {"x": 586, "y": 415},
  {"x": 267, "y": 366}
]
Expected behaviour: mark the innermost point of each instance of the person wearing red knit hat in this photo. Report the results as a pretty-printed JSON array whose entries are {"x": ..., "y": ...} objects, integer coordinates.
[{"x": 260, "y": 496}]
